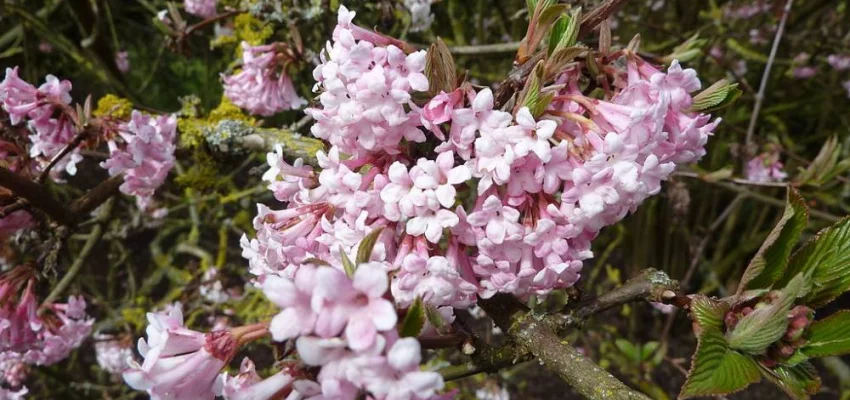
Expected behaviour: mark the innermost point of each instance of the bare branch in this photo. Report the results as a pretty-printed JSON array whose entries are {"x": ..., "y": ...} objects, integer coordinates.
[
  {"x": 650, "y": 285},
  {"x": 37, "y": 195}
]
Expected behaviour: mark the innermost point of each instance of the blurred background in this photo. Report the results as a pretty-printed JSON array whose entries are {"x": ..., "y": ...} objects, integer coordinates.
[{"x": 702, "y": 229}]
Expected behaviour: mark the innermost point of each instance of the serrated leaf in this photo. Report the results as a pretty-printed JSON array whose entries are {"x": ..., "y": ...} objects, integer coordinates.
[
  {"x": 825, "y": 259},
  {"x": 714, "y": 96},
  {"x": 769, "y": 263},
  {"x": 799, "y": 382},
  {"x": 716, "y": 369},
  {"x": 829, "y": 336},
  {"x": 765, "y": 325},
  {"x": 347, "y": 265},
  {"x": 707, "y": 313},
  {"x": 364, "y": 250},
  {"x": 414, "y": 320}
]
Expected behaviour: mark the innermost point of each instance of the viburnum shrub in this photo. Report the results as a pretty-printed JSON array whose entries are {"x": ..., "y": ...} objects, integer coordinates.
[{"x": 429, "y": 196}]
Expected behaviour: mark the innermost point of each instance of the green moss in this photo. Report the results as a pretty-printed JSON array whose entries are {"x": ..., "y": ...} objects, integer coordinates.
[{"x": 113, "y": 106}]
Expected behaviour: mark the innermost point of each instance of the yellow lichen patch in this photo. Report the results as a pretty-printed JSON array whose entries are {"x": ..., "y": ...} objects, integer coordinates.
[
  {"x": 113, "y": 106},
  {"x": 251, "y": 30},
  {"x": 228, "y": 110}
]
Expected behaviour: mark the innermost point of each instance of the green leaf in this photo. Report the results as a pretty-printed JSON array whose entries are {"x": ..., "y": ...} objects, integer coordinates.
[
  {"x": 765, "y": 325},
  {"x": 825, "y": 166},
  {"x": 716, "y": 96},
  {"x": 531, "y": 96},
  {"x": 708, "y": 314},
  {"x": 772, "y": 258},
  {"x": 825, "y": 259},
  {"x": 716, "y": 369},
  {"x": 570, "y": 36},
  {"x": 799, "y": 382},
  {"x": 829, "y": 336},
  {"x": 557, "y": 32},
  {"x": 432, "y": 314},
  {"x": 414, "y": 321},
  {"x": 364, "y": 250},
  {"x": 629, "y": 349},
  {"x": 347, "y": 265}
]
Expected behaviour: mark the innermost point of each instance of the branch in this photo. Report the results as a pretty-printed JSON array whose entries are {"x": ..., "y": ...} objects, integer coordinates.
[
  {"x": 650, "y": 285},
  {"x": 35, "y": 194},
  {"x": 766, "y": 74},
  {"x": 508, "y": 47},
  {"x": 486, "y": 359},
  {"x": 536, "y": 334},
  {"x": 96, "y": 196},
  {"x": 592, "y": 19}
]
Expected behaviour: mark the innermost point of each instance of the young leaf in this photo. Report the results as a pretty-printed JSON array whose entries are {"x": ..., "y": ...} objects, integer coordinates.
[
  {"x": 440, "y": 69},
  {"x": 829, "y": 336},
  {"x": 568, "y": 39},
  {"x": 716, "y": 96},
  {"x": 707, "y": 313},
  {"x": 824, "y": 166},
  {"x": 432, "y": 314},
  {"x": 557, "y": 32},
  {"x": 798, "y": 382},
  {"x": 364, "y": 250},
  {"x": 826, "y": 260},
  {"x": 627, "y": 348},
  {"x": 771, "y": 259},
  {"x": 765, "y": 325},
  {"x": 716, "y": 369},
  {"x": 347, "y": 265},
  {"x": 414, "y": 320}
]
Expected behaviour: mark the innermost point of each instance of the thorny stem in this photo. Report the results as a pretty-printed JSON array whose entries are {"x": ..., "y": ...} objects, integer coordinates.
[
  {"x": 766, "y": 74},
  {"x": 536, "y": 334}
]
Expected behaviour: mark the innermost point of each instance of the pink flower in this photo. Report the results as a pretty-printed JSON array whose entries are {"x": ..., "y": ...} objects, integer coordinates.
[
  {"x": 14, "y": 222},
  {"x": 285, "y": 180},
  {"x": 439, "y": 110},
  {"x": 248, "y": 385},
  {"x": 263, "y": 86},
  {"x": 111, "y": 353},
  {"x": 179, "y": 362},
  {"x": 805, "y": 72},
  {"x": 122, "y": 61},
  {"x": 146, "y": 156},
  {"x": 499, "y": 221},
  {"x": 297, "y": 316},
  {"x": 357, "y": 304},
  {"x": 201, "y": 8},
  {"x": 839, "y": 62},
  {"x": 765, "y": 167}
]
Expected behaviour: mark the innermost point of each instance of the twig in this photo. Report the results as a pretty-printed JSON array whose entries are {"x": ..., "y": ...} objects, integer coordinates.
[
  {"x": 686, "y": 280},
  {"x": 78, "y": 138},
  {"x": 485, "y": 48},
  {"x": 96, "y": 196},
  {"x": 739, "y": 181},
  {"x": 94, "y": 237},
  {"x": 536, "y": 334},
  {"x": 650, "y": 285},
  {"x": 592, "y": 19},
  {"x": 766, "y": 74},
  {"x": 503, "y": 358},
  {"x": 20, "y": 204},
  {"x": 35, "y": 194}
]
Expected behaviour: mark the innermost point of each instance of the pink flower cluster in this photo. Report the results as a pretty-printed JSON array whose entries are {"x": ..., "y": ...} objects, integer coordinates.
[
  {"x": 766, "y": 167},
  {"x": 112, "y": 353},
  {"x": 30, "y": 337},
  {"x": 508, "y": 202},
  {"x": 262, "y": 86},
  {"x": 366, "y": 81},
  {"x": 146, "y": 155},
  {"x": 43, "y": 109},
  {"x": 201, "y": 8}
]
